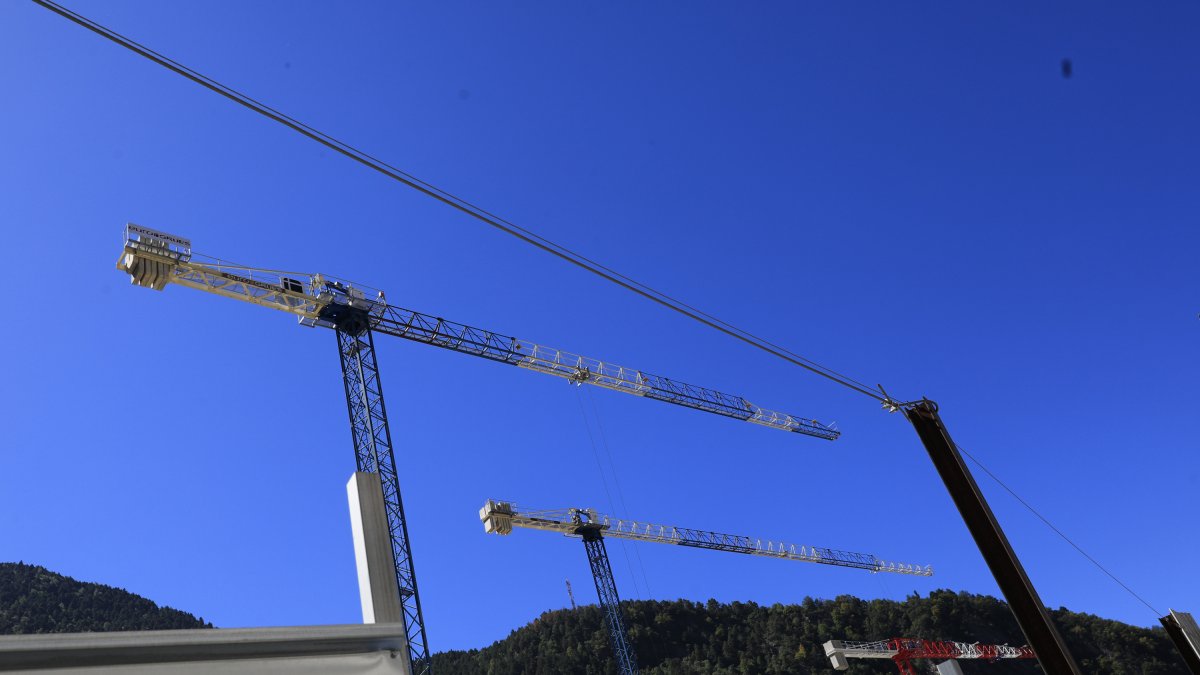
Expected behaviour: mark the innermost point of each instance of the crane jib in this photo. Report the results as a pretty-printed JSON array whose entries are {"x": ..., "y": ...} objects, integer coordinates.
[
  {"x": 246, "y": 280},
  {"x": 154, "y": 259},
  {"x": 501, "y": 517},
  {"x": 439, "y": 332}
]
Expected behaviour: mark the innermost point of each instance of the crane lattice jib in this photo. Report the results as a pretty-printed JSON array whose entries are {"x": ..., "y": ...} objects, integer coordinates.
[
  {"x": 154, "y": 259},
  {"x": 948, "y": 649},
  {"x": 911, "y": 648},
  {"x": 501, "y": 517}
]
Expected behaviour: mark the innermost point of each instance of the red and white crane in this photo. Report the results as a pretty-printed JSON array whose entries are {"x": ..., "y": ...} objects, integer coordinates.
[{"x": 903, "y": 651}]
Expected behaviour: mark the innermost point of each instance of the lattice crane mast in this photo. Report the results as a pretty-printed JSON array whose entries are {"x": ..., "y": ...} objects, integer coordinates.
[
  {"x": 903, "y": 651},
  {"x": 501, "y": 517},
  {"x": 355, "y": 312}
]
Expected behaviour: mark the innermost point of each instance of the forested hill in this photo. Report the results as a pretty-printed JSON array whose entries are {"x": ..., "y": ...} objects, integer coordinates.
[
  {"x": 671, "y": 638},
  {"x": 683, "y": 637},
  {"x": 36, "y": 600}
]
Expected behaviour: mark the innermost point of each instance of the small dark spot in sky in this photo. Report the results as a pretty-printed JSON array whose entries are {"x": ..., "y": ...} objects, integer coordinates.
[
  {"x": 464, "y": 94},
  {"x": 287, "y": 64},
  {"x": 1067, "y": 68}
]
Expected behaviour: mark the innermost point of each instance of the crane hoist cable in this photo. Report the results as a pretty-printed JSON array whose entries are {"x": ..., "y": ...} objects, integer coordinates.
[{"x": 602, "y": 471}]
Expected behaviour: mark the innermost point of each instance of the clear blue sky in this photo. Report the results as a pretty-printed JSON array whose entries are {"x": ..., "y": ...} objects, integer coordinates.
[{"x": 915, "y": 196}]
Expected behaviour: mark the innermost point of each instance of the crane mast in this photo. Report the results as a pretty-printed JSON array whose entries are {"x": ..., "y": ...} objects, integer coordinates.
[
  {"x": 154, "y": 259},
  {"x": 500, "y": 517},
  {"x": 373, "y": 453},
  {"x": 571, "y": 594},
  {"x": 606, "y": 591},
  {"x": 355, "y": 312}
]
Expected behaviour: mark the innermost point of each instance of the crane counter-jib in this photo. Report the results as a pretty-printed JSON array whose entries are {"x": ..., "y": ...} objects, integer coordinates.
[{"x": 155, "y": 259}]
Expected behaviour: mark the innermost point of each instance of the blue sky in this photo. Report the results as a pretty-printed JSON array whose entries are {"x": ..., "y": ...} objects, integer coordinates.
[{"x": 915, "y": 196}]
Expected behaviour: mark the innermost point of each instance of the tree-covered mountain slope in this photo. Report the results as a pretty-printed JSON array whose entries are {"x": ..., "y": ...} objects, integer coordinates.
[
  {"x": 671, "y": 637},
  {"x": 36, "y": 600},
  {"x": 683, "y": 637}
]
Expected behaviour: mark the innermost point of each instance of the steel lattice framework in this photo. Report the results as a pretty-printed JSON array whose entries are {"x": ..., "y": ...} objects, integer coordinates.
[
  {"x": 501, "y": 517},
  {"x": 903, "y": 651},
  {"x": 373, "y": 454},
  {"x": 606, "y": 590},
  {"x": 155, "y": 259},
  {"x": 412, "y": 325}
]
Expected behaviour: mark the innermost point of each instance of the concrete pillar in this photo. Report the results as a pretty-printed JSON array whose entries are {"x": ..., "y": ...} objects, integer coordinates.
[
  {"x": 949, "y": 668},
  {"x": 377, "y": 588}
]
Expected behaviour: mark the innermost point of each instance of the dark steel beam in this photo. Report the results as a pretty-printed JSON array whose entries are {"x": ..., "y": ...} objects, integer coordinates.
[
  {"x": 1179, "y": 637},
  {"x": 1022, "y": 599}
]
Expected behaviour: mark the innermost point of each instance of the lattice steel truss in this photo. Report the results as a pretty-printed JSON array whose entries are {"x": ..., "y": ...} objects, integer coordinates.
[
  {"x": 439, "y": 332},
  {"x": 156, "y": 259},
  {"x": 606, "y": 589},
  {"x": 501, "y": 517},
  {"x": 903, "y": 651},
  {"x": 373, "y": 454}
]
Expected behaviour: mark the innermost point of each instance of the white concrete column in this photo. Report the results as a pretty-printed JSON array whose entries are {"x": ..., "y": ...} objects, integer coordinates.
[
  {"x": 377, "y": 588},
  {"x": 950, "y": 667}
]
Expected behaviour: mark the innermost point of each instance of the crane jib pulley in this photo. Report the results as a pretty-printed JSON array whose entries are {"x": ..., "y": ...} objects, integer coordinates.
[{"x": 154, "y": 259}]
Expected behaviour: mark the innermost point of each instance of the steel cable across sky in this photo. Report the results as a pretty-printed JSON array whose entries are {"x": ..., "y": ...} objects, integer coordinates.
[{"x": 537, "y": 241}]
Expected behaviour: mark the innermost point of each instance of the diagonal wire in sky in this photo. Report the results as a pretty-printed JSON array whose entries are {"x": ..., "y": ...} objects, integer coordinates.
[
  {"x": 535, "y": 240},
  {"x": 468, "y": 208}
]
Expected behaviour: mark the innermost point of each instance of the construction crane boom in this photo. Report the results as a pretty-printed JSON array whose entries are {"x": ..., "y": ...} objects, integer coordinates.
[
  {"x": 904, "y": 650},
  {"x": 154, "y": 259},
  {"x": 501, "y": 517},
  {"x": 355, "y": 312}
]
